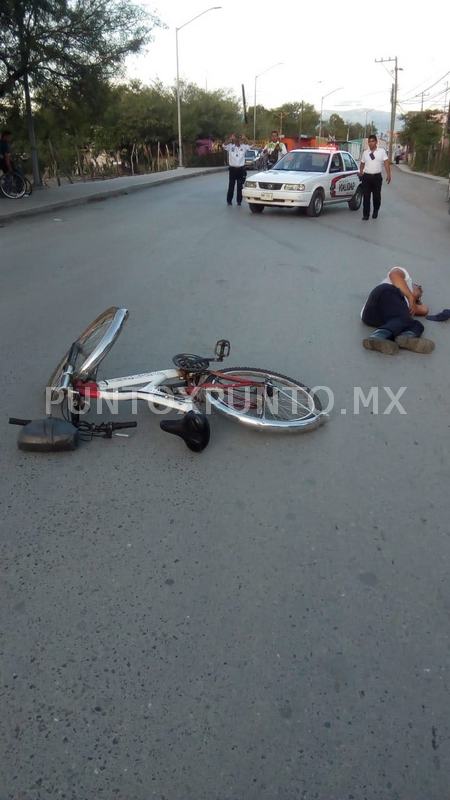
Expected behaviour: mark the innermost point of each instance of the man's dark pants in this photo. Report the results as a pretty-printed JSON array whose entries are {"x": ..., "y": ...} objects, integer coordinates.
[
  {"x": 371, "y": 185},
  {"x": 386, "y": 308},
  {"x": 236, "y": 175}
]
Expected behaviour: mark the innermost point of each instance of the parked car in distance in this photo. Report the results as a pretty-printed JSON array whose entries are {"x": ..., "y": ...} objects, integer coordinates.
[{"x": 252, "y": 158}]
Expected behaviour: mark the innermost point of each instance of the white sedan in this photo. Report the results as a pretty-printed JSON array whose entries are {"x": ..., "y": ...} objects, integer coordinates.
[{"x": 306, "y": 179}]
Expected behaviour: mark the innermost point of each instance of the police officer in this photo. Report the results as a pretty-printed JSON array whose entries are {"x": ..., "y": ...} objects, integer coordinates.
[
  {"x": 236, "y": 148},
  {"x": 371, "y": 167}
]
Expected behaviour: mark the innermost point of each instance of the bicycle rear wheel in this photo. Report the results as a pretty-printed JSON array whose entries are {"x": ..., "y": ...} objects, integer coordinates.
[
  {"x": 269, "y": 401},
  {"x": 12, "y": 185},
  {"x": 95, "y": 343}
]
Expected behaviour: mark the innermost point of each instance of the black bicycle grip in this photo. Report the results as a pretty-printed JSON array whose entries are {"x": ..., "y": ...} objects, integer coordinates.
[
  {"x": 117, "y": 426},
  {"x": 16, "y": 421}
]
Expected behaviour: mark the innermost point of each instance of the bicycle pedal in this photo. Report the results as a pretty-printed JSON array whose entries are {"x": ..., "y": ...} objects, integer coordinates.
[{"x": 222, "y": 349}]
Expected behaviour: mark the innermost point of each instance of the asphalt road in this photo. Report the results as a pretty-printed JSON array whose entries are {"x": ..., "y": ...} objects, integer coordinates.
[{"x": 268, "y": 620}]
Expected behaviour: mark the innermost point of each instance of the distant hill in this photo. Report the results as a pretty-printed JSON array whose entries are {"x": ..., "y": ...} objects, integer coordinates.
[{"x": 382, "y": 119}]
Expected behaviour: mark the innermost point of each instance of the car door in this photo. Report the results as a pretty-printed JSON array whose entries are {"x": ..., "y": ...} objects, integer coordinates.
[
  {"x": 344, "y": 185},
  {"x": 335, "y": 173}
]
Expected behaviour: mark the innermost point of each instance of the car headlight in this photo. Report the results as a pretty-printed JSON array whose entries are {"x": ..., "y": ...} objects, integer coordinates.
[
  {"x": 294, "y": 187},
  {"x": 251, "y": 184}
]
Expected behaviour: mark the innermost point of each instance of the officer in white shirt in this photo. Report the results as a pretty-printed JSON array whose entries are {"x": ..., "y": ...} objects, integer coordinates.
[
  {"x": 236, "y": 149},
  {"x": 391, "y": 308},
  {"x": 274, "y": 150},
  {"x": 371, "y": 167}
]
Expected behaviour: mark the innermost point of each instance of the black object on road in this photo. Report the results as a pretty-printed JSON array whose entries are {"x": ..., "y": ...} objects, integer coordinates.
[{"x": 443, "y": 316}]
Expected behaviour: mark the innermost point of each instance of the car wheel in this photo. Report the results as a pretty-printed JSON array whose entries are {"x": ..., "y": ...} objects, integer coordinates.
[
  {"x": 355, "y": 203},
  {"x": 316, "y": 205},
  {"x": 255, "y": 208}
]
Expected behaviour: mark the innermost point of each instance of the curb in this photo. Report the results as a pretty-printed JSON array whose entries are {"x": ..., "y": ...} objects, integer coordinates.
[
  {"x": 102, "y": 195},
  {"x": 409, "y": 171}
]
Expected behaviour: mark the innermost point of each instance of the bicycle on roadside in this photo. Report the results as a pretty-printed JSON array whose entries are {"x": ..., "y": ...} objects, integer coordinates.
[
  {"x": 258, "y": 398},
  {"x": 14, "y": 185}
]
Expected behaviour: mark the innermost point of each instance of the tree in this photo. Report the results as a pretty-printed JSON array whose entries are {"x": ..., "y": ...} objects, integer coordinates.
[
  {"x": 208, "y": 114},
  {"x": 298, "y": 118},
  {"x": 336, "y": 127},
  {"x": 293, "y": 119},
  {"x": 422, "y": 131},
  {"x": 59, "y": 42}
]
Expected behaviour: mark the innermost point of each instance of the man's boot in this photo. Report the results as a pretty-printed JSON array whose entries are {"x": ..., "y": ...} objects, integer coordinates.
[
  {"x": 381, "y": 340},
  {"x": 409, "y": 341}
]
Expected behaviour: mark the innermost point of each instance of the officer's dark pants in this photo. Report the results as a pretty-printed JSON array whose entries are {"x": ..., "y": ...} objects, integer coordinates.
[
  {"x": 236, "y": 175},
  {"x": 371, "y": 185}
]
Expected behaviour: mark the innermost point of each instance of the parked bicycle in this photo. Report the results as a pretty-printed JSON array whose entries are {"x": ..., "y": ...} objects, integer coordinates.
[
  {"x": 14, "y": 185},
  {"x": 256, "y": 397}
]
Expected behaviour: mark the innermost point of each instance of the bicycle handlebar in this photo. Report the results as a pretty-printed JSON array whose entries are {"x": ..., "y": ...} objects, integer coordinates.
[{"x": 70, "y": 365}]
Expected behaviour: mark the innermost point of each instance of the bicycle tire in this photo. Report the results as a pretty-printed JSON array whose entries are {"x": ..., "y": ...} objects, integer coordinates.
[
  {"x": 95, "y": 343},
  {"x": 231, "y": 403},
  {"x": 12, "y": 185}
]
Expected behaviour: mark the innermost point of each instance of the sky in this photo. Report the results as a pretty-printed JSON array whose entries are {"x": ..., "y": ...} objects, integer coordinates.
[{"x": 321, "y": 46}]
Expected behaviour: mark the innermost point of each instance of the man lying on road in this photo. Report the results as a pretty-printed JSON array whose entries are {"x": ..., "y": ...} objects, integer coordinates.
[{"x": 391, "y": 308}]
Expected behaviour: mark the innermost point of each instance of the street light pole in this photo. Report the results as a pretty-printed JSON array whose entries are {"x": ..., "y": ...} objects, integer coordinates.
[
  {"x": 180, "y": 141},
  {"x": 321, "y": 107},
  {"x": 278, "y": 64},
  {"x": 365, "y": 123}
]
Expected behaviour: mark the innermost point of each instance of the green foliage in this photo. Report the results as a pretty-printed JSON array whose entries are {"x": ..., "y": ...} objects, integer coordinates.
[
  {"x": 421, "y": 133},
  {"x": 421, "y": 129},
  {"x": 59, "y": 41},
  {"x": 208, "y": 114},
  {"x": 298, "y": 118},
  {"x": 291, "y": 118}
]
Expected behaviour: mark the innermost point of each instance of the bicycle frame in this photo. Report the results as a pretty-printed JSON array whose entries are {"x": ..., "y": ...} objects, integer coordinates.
[{"x": 144, "y": 386}]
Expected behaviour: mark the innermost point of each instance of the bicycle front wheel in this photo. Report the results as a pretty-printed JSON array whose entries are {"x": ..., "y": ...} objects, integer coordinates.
[
  {"x": 12, "y": 185},
  {"x": 265, "y": 400},
  {"x": 94, "y": 343}
]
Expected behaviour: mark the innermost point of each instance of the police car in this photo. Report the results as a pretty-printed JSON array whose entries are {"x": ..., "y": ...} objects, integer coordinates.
[{"x": 307, "y": 178}]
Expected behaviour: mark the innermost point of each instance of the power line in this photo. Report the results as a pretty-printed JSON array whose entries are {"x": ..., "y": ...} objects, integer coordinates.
[
  {"x": 429, "y": 99},
  {"x": 428, "y": 87},
  {"x": 413, "y": 89}
]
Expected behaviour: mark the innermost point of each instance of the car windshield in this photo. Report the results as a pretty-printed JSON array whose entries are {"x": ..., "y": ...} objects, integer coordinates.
[
  {"x": 250, "y": 154},
  {"x": 304, "y": 162}
]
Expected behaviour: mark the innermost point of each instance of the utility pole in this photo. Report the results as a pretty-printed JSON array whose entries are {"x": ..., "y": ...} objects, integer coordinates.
[
  {"x": 445, "y": 117},
  {"x": 301, "y": 121},
  {"x": 394, "y": 93},
  {"x": 422, "y": 94}
]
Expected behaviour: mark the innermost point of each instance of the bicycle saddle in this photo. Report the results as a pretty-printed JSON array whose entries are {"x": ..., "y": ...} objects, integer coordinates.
[{"x": 193, "y": 428}]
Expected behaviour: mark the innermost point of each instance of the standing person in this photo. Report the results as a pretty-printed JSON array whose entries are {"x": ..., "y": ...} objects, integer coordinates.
[
  {"x": 391, "y": 308},
  {"x": 371, "y": 167},
  {"x": 398, "y": 154},
  {"x": 236, "y": 148},
  {"x": 275, "y": 149},
  {"x": 5, "y": 151}
]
